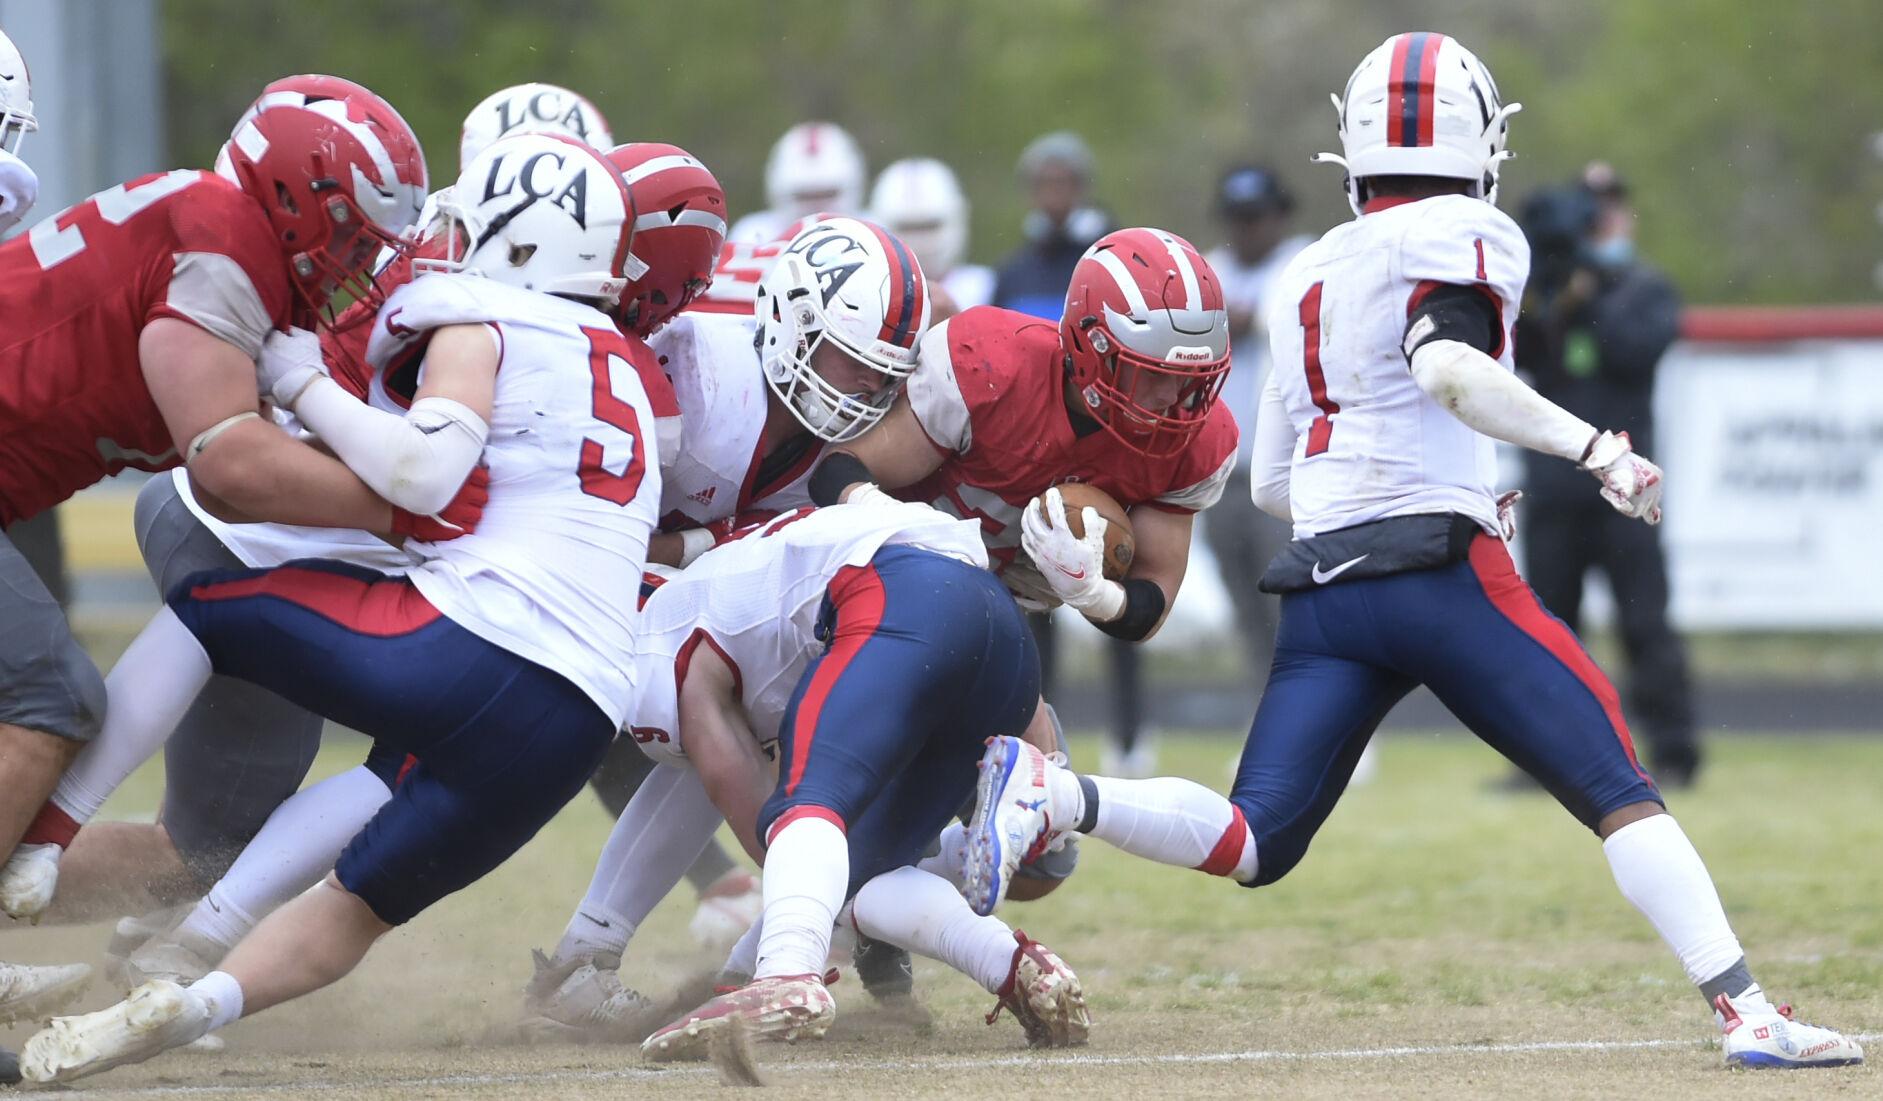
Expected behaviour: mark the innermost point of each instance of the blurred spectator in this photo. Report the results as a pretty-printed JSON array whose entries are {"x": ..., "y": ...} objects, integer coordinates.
[
  {"x": 815, "y": 167},
  {"x": 920, "y": 201},
  {"x": 1255, "y": 209},
  {"x": 1056, "y": 169},
  {"x": 1595, "y": 324}
]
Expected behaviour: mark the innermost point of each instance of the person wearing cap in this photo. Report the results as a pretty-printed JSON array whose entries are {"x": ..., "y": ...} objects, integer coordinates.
[
  {"x": 1255, "y": 209},
  {"x": 1592, "y": 335}
]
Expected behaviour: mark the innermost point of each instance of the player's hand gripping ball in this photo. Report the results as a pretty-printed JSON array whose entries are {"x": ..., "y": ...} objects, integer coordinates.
[{"x": 1119, "y": 545}]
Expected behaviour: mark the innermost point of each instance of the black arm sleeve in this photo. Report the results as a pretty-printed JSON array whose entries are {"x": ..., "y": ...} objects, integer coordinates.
[
  {"x": 1455, "y": 312},
  {"x": 1144, "y": 606},
  {"x": 837, "y": 472}
]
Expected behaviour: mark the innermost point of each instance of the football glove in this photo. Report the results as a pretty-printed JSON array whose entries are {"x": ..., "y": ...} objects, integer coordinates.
[
  {"x": 289, "y": 364},
  {"x": 1630, "y": 483},
  {"x": 1074, "y": 566}
]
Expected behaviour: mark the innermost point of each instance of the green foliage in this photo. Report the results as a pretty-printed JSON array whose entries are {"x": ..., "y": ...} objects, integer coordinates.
[{"x": 1742, "y": 125}]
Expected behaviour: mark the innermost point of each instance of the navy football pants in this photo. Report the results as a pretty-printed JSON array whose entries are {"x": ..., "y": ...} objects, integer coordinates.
[
  {"x": 1474, "y": 634},
  {"x": 503, "y": 743},
  {"x": 928, "y": 657}
]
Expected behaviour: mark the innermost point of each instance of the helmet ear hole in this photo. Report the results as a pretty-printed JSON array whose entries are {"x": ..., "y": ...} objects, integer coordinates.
[
  {"x": 520, "y": 254},
  {"x": 286, "y": 199}
]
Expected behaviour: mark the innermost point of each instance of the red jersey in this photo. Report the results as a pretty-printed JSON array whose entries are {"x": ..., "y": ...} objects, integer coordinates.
[
  {"x": 77, "y": 291},
  {"x": 990, "y": 393}
]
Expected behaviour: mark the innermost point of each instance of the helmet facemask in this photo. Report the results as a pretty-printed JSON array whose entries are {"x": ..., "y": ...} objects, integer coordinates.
[
  {"x": 790, "y": 360},
  {"x": 1153, "y": 406}
]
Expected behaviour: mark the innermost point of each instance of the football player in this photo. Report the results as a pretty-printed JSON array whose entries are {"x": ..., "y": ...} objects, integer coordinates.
[
  {"x": 496, "y": 660},
  {"x": 19, "y": 185},
  {"x": 134, "y": 321},
  {"x": 1392, "y": 376},
  {"x": 815, "y": 166},
  {"x": 920, "y": 201},
  {"x": 868, "y": 643}
]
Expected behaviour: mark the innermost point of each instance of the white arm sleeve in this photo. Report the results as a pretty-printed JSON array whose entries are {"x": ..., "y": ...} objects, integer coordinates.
[
  {"x": 1273, "y": 454},
  {"x": 1478, "y": 391},
  {"x": 418, "y": 461}
]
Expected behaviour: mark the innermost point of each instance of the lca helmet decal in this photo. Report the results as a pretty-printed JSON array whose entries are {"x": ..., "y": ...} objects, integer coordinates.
[
  {"x": 825, "y": 252},
  {"x": 573, "y": 198},
  {"x": 543, "y": 106}
]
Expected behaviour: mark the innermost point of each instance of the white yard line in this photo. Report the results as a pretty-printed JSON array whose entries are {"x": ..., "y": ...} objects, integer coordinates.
[{"x": 1070, "y": 1060}]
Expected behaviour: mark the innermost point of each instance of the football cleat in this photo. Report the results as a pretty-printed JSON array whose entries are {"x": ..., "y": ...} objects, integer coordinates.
[
  {"x": 785, "y": 1007},
  {"x": 154, "y": 1018},
  {"x": 1044, "y": 995},
  {"x": 727, "y": 909},
  {"x": 29, "y": 992},
  {"x": 1770, "y": 1038},
  {"x": 582, "y": 1001},
  {"x": 1009, "y": 820},
  {"x": 132, "y": 933},
  {"x": 167, "y": 958},
  {"x": 29, "y": 880}
]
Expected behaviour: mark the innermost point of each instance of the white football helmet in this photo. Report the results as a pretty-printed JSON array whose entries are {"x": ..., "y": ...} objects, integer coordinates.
[
  {"x": 852, "y": 283},
  {"x": 541, "y": 212},
  {"x": 1421, "y": 105},
  {"x": 815, "y": 166},
  {"x": 532, "y": 109},
  {"x": 16, "y": 97},
  {"x": 920, "y": 201}
]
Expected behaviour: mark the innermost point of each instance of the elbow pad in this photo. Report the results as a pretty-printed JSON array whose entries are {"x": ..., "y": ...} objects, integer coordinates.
[{"x": 1468, "y": 315}]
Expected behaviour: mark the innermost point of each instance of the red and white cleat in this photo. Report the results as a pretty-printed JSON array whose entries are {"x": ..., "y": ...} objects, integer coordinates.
[
  {"x": 1044, "y": 995},
  {"x": 785, "y": 1007},
  {"x": 1770, "y": 1038}
]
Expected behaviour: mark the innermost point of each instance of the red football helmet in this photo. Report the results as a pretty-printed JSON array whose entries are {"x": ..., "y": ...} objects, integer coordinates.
[
  {"x": 1146, "y": 338},
  {"x": 340, "y": 176},
  {"x": 678, "y": 231}
]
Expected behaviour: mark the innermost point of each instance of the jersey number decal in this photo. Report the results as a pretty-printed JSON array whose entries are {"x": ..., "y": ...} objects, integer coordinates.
[
  {"x": 597, "y": 481},
  {"x": 116, "y": 206},
  {"x": 1322, "y": 429}
]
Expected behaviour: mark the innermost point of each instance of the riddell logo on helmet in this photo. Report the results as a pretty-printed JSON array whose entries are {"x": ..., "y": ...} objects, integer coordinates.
[{"x": 1191, "y": 355}]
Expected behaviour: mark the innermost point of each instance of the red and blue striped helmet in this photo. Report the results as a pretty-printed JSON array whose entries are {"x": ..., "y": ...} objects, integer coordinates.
[{"x": 1421, "y": 105}]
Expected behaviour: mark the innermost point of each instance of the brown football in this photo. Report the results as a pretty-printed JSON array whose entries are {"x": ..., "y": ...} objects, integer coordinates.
[{"x": 1120, "y": 545}]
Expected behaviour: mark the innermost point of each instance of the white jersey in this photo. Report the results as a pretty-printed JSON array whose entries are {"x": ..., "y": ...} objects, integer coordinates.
[
  {"x": 260, "y": 546},
  {"x": 1369, "y": 443},
  {"x": 19, "y": 190},
  {"x": 755, "y": 602},
  {"x": 970, "y": 285},
  {"x": 553, "y": 571},
  {"x": 723, "y": 398}
]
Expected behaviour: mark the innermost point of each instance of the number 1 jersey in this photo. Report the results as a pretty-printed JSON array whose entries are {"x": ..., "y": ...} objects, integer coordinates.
[{"x": 1369, "y": 443}]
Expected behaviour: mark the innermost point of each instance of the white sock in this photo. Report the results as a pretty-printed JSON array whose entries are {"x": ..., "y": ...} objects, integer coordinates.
[
  {"x": 1065, "y": 797},
  {"x": 743, "y": 959},
  {"x": 146, "y": 695},
  {"x": 1173, "y": 821},
  {"x": 807, "y": 867},
  {"x": 296, "y": 847},
  {"x": 661, "y": 832},
  {"x": 224, "y": 996},
  {"x": 952, "y": 861},
  {"x": 925, "y": 913},
  {"x": 1658, "y": 870}
]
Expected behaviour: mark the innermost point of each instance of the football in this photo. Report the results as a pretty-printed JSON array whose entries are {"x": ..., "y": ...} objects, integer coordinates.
[{"x": 1120, "y": 545}]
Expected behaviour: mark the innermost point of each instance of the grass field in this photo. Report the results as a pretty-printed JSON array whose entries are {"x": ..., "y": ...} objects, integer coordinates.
[{"x": 1438, "y": 941}]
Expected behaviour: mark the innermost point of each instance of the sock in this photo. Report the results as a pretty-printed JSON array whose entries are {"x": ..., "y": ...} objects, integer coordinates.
[
  {"x": 950, "y": 863},
  {"x": 1065, "y": 798},
  {"x": 296, "y": 847},
  {"x": 807, "y": 868},
  {"x": 146, "y": 695},
  {"x": 1658, "y": 870},
  {"x": 1171, "y": 821},
  {"x": 661, "y": 831},
  {"x": 224, "y": 996},
  {"x": 925, "y": 913},
  {"x": 1737, "y": 983}
]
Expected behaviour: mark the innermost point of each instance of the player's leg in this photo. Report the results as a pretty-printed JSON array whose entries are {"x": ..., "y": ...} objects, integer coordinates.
[
  {"x": 1658, "y": 683},
  {"x": 52, "y": 702},
  {"x": 1522, "y": 682},
  {"x": 1316, "y": 716},
  {"x": 729, "y": 894},
  {"x": 576, "y": 993}
]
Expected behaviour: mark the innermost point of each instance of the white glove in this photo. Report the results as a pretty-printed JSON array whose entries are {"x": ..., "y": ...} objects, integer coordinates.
[
  {"x": 1629, "y": 482},
  {"x": 1073, "y": 566},
  {"x": 1507, "y": 513},
  {"x": 288, "y": 365}
]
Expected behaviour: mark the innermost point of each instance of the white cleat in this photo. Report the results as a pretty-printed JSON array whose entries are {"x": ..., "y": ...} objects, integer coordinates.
[
  {"x": 787, "y": 1007},
  {"x": 167, "y": 959},
  {"x": 727, "y": 909},
  {"x": 1769, "y": 1038},
  {"x": 1009, "y": 820},
  {"x": 29, "y": 992},
  {"x": 29, "y": 879},
  {"x": 132, "y": 933},
  {"x": 582, "y": 1001},
  {"x": 155, "y": 1017},
  {"x": 1044, "y": 995}
]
